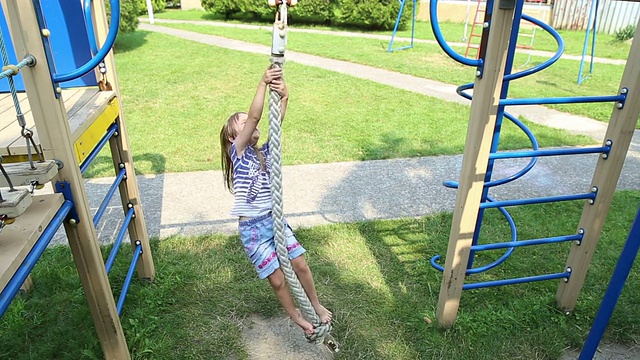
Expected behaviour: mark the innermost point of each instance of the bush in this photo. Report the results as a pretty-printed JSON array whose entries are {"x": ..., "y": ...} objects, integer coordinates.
[
  {"x": 626, "y": 33},
  {"x": 366, "y": 14},
  {"x": 157, "y": 5},
  {"x": 128, "y": 15},
  {"x": 379, "y": 14}
]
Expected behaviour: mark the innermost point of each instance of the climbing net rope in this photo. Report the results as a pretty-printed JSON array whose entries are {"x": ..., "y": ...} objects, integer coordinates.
[{"x": 275, "y": 147}]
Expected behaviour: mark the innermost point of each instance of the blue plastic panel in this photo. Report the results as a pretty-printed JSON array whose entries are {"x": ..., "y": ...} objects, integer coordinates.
[{"x": 69, "y": 41}]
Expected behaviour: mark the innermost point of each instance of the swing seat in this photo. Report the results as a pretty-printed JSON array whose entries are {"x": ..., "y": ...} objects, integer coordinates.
[
  {"x": 21, "y": 174},
  {"x": 15, "y": 202}
]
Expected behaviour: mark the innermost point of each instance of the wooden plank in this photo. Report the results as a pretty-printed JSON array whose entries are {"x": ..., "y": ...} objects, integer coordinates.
[
  {"x": 21, "y": 174},
  {"x": 15, "y": 202},
  {"x": 17, "y": 239},
  {"x": 83, "y": 101},
  {"x": 475, "y": 159},
  {"x": 605, "y": 178},
  {"x": 10, "y": 130},
  {"x": 51, "y": 119},
  {"x": 81, "y": 120}
]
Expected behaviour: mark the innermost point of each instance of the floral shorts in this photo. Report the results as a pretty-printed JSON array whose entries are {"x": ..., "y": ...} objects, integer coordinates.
[{"x": 257, "y": 237}]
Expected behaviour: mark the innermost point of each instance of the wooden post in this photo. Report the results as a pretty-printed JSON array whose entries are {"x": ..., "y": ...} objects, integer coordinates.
[
  {"x": 482, "y": 122},
  {"x": 55, "y": 135},
  {"x": 605, "y": 178},
  {"x": 121, "y": 153}
]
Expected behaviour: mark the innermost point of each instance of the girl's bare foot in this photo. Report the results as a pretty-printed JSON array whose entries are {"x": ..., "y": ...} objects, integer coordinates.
[
  {"x": 324, "y": 314},
  {"x": 306, "y": 326}
]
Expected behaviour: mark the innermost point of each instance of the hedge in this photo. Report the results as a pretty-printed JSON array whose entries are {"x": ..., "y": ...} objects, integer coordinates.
[{"x": 365, "y": 14}]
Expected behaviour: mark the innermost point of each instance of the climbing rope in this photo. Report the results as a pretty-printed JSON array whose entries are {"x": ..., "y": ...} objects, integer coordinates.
[
  {"x": 275, "y": 147},
  {"x": 9, "y": 71}
]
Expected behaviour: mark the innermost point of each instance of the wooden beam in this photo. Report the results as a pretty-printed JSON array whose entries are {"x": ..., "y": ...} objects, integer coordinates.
[
  {"x": 605, "y": 178},
  {"x": 475, "y": 159},
  {"x": 121, "y": 153},
  {"x": 14, "y": 203},
  {"x": 50, "y": 117},
  {"x": 17, "y": 239}
]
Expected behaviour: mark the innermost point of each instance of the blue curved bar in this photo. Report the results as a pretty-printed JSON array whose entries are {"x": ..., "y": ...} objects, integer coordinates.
[
  {"x": 563, "y": 100},
  {"x": 505, "y": 256},
  {"x": 563, "y": 275},
  {"x": 102, "y": 53},
  {"x": 21, "y": 274},
  {"x": 89, "y": 20},
  {"x": 559, "y": 41},
  {"x": 116, "y": 244},
  {"x": 108, "y": 196},
  {"x": 94, "y": 153},
  {"x": 501, "y": 259},
  {"x": 127, "y": 281},
  {"x": 435, "y": 26},
  {"x": 530, "y": 165}
]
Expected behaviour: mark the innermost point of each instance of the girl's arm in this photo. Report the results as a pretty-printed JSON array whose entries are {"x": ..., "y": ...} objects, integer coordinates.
[{"x": 255, "y": 110}]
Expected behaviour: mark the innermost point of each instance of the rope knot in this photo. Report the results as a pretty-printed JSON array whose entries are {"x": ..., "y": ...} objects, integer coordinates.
[{"x": 320, "y": 331}]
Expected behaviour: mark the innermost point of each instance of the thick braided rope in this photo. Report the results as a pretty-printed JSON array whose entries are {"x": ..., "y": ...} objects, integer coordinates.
[{"x": 275, "y": 149}]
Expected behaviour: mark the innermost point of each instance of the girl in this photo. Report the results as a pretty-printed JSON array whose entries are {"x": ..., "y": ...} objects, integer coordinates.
[{"x": 246, "y": 169}]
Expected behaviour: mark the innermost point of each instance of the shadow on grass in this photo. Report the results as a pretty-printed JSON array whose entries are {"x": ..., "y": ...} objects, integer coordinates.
[{"x": 126, "y": 42}]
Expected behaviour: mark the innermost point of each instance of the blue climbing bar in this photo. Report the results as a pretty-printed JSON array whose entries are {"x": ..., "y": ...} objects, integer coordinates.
[
  {"x": 479, "y": 285},
  {"x": 521, "y": 243},
  {"x": 563, "y": 100},
  {"x": 108, "y": 196},
  {"x": 94, "y": 153},
  {"x": 550, "y": 152},
  {"x": 540, "y": 200},
  {"x": 127, "y": 281},
  {"x": 118, "y": 241}
]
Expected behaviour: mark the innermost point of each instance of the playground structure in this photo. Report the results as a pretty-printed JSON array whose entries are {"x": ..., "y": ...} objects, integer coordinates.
[
  {"x": 398, "y": 19},
  {"x": 59, "y": 110},
  {"x": 493, "y": 76}
]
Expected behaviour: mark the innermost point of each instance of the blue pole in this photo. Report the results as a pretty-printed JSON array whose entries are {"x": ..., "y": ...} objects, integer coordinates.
[
  {"x": 586, "y": 41},
  {"x": 511, "y": 53},
  {"x": 395, "y": 28},
  {"x": 563, "y": 100},
  {"x": 550, "y": 152},
  {"x": 611, "y": 296}
]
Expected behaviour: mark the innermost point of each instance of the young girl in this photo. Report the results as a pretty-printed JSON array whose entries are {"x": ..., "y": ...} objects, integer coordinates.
[{"x": 246, "y": 169}]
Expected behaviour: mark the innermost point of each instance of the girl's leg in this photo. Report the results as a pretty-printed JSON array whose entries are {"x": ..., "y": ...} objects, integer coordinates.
[
  {"x": 277, "y": 282},
  {"x": 306, "y": 280}
]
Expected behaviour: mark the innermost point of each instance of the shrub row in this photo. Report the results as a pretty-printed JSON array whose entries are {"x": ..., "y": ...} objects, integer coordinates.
[{"x": 365, "y": 14}]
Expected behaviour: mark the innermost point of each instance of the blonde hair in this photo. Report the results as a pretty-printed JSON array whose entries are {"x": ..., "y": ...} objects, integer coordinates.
[{"x": 227, "y": 132}]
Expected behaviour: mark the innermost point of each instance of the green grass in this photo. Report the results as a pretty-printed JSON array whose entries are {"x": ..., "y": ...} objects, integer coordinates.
[
  {"x": 429, "y": 61},
  {"x": 375, "y": 276},
  {"x": 177, "y": 94},
  {"x": 606, "y": 45}
]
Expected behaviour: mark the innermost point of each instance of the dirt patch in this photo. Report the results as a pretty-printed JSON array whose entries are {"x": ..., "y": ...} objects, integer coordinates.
[
  {"x": 279, "y": 338},
  {"x": 608, "y": 352}
]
